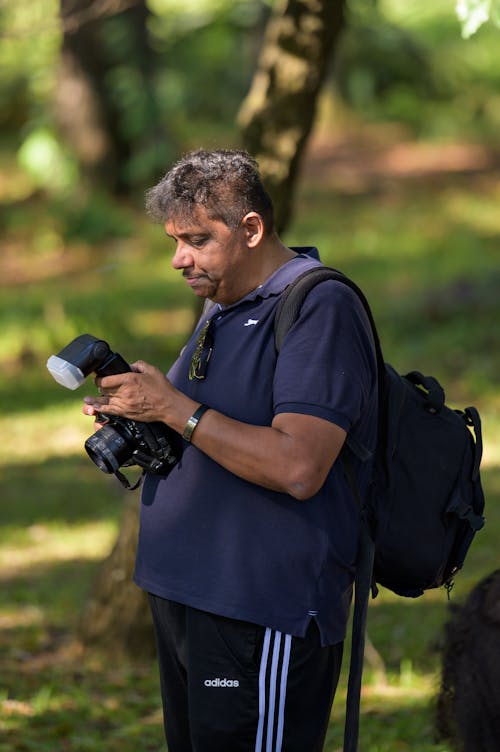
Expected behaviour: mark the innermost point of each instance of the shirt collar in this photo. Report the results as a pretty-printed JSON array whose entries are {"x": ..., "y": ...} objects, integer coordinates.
[{"x": 307, "y": 257}]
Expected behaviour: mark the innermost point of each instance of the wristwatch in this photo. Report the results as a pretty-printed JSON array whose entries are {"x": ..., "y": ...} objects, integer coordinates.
[{"x": 193, "y": 422}]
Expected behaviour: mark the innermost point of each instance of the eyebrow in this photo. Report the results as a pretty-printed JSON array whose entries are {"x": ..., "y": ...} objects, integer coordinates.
[{"x": 187, "y": 235}]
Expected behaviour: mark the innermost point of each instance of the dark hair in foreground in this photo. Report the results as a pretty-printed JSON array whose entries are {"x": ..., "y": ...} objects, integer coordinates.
[
  {"x": 468, "y": 706},
  {"x": 225, "y": 182}
]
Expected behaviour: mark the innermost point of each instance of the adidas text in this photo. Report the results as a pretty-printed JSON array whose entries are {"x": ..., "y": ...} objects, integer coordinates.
[{"x": 221, "y": 683}]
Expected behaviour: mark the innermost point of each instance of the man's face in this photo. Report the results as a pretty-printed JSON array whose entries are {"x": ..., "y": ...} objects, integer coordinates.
[{"x": 212, "y": 256}]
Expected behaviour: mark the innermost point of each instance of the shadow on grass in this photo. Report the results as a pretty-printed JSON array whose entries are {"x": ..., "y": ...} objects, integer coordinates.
[
  {"x": 82, "y": 706},
  {"x": 66, "y": 489},
  {"x": 41, "y": 606}
]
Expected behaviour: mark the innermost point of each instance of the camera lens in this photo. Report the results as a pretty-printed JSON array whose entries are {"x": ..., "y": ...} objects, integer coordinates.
[{"x": 108, "y": 449}]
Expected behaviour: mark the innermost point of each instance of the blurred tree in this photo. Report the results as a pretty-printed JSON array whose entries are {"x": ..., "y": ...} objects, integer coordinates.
[
  {"x": 105, "y": 102},
  {"x": 116, "y": 615},
  {"x": 278, "y": 113}
]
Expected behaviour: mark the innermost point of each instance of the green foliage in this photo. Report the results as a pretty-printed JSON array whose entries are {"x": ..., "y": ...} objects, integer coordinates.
[
  {"x": 48, "y": 164},
  {"x": 383, "y": 68},
  {"x": 199, "y": 84},
  {"x": 159, "y": 98},
  {"x": 28, "y": 57},
  {"x": 93, "y": 219},
  {"x": 405, "y": 61}
]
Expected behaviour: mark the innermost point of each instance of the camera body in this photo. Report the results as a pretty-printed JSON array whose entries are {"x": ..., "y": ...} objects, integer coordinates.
[{"x": 121, "y": 441}]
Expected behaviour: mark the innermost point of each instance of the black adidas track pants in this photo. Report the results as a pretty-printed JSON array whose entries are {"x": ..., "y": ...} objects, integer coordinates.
[{"x": 231, "y": 686}]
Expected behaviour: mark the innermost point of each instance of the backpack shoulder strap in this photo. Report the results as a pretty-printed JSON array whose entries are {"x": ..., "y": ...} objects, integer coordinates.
[
  {"x": 287, "y": 312},
  {"x": 293, "y": 297}
]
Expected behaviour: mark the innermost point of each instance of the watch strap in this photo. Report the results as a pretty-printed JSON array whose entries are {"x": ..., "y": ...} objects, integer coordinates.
[{"x": 193, "y": 422}]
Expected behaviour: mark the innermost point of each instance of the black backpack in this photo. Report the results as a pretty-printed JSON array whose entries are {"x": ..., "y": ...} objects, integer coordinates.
[{"x": 425, "y": 502}]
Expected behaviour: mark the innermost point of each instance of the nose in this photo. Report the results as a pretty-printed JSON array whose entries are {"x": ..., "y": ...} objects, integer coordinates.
[{"x": 182, "y": 258}]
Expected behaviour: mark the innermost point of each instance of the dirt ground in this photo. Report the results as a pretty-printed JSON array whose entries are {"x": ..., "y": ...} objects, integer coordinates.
[{"x": 380, "y": 157}]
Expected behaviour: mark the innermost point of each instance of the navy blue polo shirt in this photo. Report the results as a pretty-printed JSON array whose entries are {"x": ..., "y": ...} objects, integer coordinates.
[{"x": 209, "y": 539}]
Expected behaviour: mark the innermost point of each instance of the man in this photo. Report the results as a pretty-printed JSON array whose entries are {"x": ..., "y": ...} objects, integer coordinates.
[{"x": 247, "y": 548}]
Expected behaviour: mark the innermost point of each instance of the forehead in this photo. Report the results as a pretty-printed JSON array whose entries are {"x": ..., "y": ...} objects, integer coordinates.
[{"x": 190, "y": 223}]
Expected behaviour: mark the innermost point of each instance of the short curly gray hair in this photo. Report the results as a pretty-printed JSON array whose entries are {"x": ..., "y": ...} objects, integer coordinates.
[{"x": 225, "y": 182}]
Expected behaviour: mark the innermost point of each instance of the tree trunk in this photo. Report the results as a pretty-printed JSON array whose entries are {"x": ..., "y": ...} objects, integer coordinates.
[
  {"x": 105, "y": 103},
  {"x": 277, "y": 115},
  {"x": 116, "y": 616}
]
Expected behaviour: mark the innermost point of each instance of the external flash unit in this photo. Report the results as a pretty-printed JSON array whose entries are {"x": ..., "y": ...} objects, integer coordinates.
[
  {"x": 84, "y": 355},
  {"x": 121, "y": 441}
]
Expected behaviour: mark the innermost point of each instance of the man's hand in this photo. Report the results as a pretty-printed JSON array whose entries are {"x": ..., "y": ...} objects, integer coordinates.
[{"x": 144, "y": 394}]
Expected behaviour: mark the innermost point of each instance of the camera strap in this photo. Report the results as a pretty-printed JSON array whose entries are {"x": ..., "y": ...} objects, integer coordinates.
[{"x": 125, "y": 481}]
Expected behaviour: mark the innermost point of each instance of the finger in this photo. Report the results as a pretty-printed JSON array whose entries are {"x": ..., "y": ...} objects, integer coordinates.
[
  {"x": 140, "y": 366},
  {"x": 92, "y": 412},
  {"x": 114, "y": 381},
  {"x": 96, "y": 404},
  {"x": 104, "y": 411}
]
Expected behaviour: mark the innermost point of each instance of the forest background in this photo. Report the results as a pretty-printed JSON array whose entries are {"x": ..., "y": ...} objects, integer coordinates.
[{"x": 392, "y": 169}]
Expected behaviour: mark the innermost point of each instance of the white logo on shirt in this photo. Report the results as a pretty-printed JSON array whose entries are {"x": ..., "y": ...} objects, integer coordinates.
[{"x": 251, "y": 322}]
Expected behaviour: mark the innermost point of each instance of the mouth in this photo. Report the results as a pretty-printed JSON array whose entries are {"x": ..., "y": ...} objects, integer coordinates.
[{"x": 194, "y": 279}]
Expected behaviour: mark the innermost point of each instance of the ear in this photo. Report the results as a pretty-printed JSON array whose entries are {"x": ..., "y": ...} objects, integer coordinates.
[{"x": 253, "y": 227}]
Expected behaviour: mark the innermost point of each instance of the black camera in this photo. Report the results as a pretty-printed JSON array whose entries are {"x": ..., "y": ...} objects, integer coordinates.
[{"x": 121, "y": 441}]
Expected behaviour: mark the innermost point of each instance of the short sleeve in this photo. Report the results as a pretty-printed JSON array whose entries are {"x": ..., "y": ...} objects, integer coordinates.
[{"x": 326, "y": 366}]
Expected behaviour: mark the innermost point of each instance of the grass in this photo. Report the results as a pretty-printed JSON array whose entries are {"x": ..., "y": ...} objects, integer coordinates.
[{"x": 426, "y": 252}]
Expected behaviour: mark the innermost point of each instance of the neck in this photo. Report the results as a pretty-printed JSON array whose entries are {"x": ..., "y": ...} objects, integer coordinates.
[
  {"x": 272, "y": 255},
  {"x": 262, "y": 262}
]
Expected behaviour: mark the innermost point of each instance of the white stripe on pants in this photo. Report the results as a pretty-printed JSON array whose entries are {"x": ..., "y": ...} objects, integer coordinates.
[{"x": 272, "y": 690}]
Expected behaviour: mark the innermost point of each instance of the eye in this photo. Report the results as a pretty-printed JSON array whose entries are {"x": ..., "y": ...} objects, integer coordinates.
[{"x": 199, "y": 240}]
